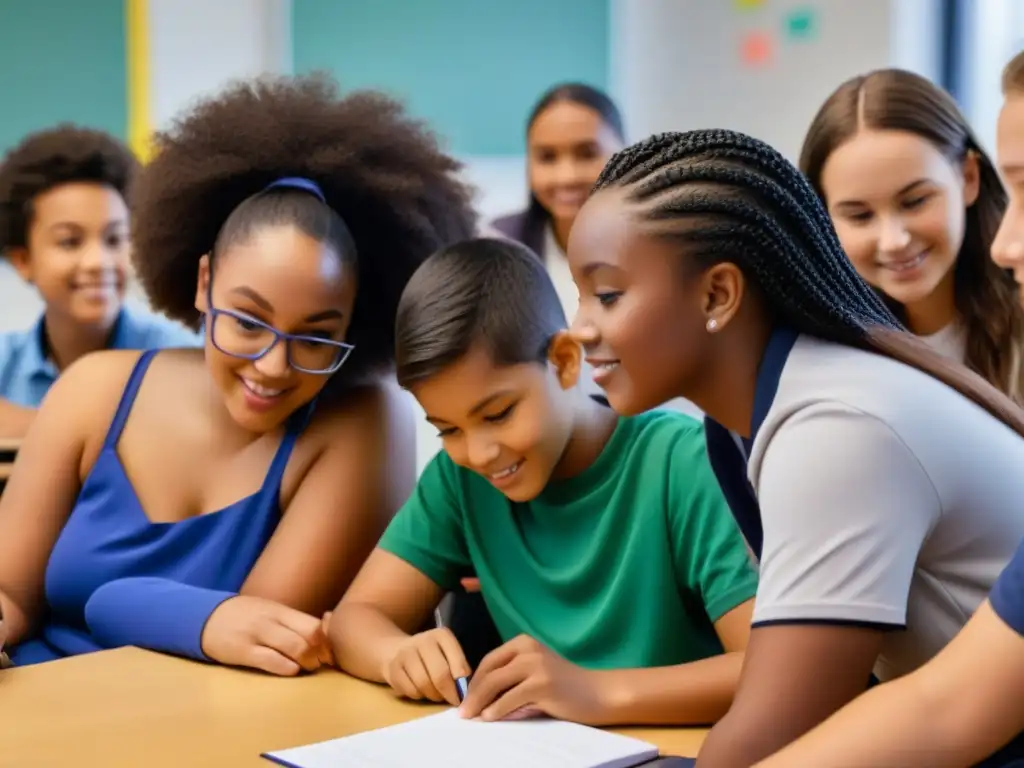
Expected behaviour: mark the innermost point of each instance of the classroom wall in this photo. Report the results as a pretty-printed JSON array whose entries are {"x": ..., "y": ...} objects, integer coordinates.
[
  {"x": 993, "y": 33},
  {"x": 471, "y": 68},
  {"x": 59, "y": 58},
  {"x": 679, "y": 65},
  {"x": 764, "y": 70},
  {"x": 198, "y": 46}
]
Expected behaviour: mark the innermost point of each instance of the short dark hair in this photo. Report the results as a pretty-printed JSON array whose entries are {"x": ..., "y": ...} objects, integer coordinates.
[
  {"x": 722, "y": 196},
  {"x": 987, "y": 297},
  {"x": 64, "y": 154},
  {"x": 390, "y": 191},
  {"x": 485, "y": 291}
]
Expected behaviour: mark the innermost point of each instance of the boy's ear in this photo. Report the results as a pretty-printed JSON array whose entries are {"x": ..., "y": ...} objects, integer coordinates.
[
  {"x": 566, "y": 355},
  {"x": 20, "y": 261}
]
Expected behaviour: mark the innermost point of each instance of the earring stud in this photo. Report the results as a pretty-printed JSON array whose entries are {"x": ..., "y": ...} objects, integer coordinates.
[{"x": 712, "y": 324}]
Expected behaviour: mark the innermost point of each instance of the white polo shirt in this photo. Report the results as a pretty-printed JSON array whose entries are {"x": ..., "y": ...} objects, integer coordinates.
[{"x": 885, "y": 497}]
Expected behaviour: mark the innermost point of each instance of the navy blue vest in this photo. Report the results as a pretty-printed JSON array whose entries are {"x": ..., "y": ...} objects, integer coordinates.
[{"x": 727, "y": 462}]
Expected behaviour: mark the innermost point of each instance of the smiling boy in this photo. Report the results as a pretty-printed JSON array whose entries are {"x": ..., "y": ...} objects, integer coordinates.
[{"x": 605, "y": 552}]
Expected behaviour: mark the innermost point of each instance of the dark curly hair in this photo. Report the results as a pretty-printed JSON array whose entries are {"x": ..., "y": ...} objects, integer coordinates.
[
  {"x": 726, "y": 197},
  {"x": 396, "y": 193},
  {"x": 987, "y": 297},
  {"x": 60, "y": 155}
]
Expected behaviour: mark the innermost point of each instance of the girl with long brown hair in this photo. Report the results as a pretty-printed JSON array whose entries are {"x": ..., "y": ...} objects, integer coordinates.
[{"x": 916, "y": 203}]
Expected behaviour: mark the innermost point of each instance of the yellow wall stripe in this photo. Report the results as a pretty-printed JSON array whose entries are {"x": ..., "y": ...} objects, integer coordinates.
[{"x": 140, "y": 120}]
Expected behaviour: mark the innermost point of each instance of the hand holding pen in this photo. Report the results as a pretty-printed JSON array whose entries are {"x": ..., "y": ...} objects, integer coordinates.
[
  {"x": 461, "y": 681},
  {"x": 430, "y": 665}
]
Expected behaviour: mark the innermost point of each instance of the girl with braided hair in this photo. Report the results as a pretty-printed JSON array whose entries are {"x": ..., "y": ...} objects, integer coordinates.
[
  {"x": 216, "y": 503},
  {"x": 877, "y": 482},
  {"x": 916, "y": 203}
]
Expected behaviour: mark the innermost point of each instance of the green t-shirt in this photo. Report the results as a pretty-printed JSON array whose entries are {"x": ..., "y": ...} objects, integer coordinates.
[{"x": 623, "y": 566}]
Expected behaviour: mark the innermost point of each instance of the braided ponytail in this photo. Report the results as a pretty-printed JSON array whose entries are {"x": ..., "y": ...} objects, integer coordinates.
[{"x": 728, "y": 197}]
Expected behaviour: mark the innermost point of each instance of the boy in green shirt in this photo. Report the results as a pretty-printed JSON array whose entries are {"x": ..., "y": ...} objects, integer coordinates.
[{"x": 605, "y": 552}]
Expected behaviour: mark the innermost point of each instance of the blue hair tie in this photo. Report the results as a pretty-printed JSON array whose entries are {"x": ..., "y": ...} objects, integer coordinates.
[{"x": 297, "y": 182}]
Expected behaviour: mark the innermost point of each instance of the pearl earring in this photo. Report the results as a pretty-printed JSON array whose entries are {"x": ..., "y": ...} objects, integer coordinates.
[{"x": 712, "y": 325}]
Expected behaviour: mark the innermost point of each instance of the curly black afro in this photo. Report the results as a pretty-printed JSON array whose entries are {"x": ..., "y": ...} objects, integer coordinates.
[
  {"x": 380, "y": 170},
  {"x": 46, "y": 159}
]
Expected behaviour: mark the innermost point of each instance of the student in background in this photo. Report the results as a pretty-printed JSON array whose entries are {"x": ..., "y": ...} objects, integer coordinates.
[
  {"x": 966, "y": 703},
  {"x": 64, "y": 228},
  {"x": 916, "y": 203},
  {"x": 605, "y": 551},
  {"x": 571, "y": 132},
  {"x": 878, "y": 482},
  {"x": 215, "y": 503}
]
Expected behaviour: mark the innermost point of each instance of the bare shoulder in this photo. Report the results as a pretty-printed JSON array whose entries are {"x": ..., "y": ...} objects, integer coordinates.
[
  {"x": 76, "y": 413},
  {"x": 362, "y": 445},
  {"x": 105, "y": 364},
  {"x": 369, "y": 437},
  {"x": 85, "y": 397},
  {"x": 97, "y": 379},
  {"x": 370, "y": 412}
]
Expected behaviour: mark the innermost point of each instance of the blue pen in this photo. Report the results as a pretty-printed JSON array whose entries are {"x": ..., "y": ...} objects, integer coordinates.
[{"x": 461, "y": 683}]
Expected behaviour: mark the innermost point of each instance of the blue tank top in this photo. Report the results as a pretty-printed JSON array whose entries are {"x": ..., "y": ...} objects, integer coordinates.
[{"x": 108, "y": 539}]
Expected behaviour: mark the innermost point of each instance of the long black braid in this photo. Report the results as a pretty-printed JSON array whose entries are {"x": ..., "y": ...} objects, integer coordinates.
[{"x": 732, "y": 197}]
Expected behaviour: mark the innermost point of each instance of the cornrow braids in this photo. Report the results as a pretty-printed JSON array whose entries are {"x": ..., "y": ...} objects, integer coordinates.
[
  {"x": 732, "y": 197},
  {"x": 726, "y": 196}
]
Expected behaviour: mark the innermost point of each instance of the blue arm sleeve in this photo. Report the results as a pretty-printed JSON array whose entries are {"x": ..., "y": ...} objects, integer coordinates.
[
  {"x": 1007, "y": 596},
  {"x": 158, "y": 614}
]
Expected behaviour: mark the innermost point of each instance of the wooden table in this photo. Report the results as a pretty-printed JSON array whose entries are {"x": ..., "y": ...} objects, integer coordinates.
[{"x": 138, "y": 709}]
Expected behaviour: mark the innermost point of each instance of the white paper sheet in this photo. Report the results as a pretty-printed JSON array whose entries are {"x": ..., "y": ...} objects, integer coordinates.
[{"x": 447, "y": 740}]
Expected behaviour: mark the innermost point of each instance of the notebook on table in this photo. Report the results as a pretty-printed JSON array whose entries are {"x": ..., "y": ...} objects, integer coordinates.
[{"x": 452, "y": 742}]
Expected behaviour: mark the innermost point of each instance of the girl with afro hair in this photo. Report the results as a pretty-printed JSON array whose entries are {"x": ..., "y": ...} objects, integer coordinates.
[
  {"x": 215, "y": 504},
  {"x": 64, "y": 230}
]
